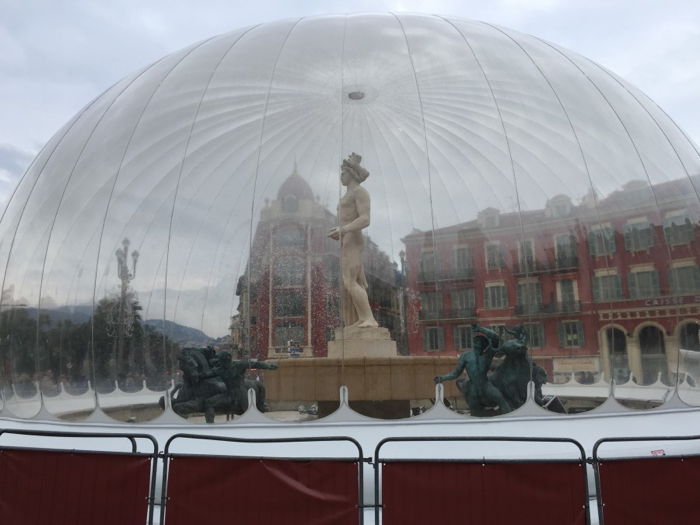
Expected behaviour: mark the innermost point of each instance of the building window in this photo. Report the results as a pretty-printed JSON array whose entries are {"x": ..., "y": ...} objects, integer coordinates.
[
  {"x": 433, "y": 339},
  {"x": 678, "y": 229},
  {"x": 288, "y": 237},
  {"x": 565, "y": 250},
  {"x": 290, "y": 204},
  {"x": 500, "y": 330},
  {"x": 601, "y": 240},
  {"x": 643, "y": 284},
  {"x": 463, "y": 337},
  {"x": 289, "y": 271},
  {"x": 495, "y": 296},
  {"x": 427, "y": 266},
  {"x": 494, "y": 256},
  {"x": 684, "y": 280},
  {"x": 567, "y": 291},
  {"x": 570, "y": 334},
  {"x": 535, "y": 334},
  {"x": 430, "y": 304},
  {"x": 526, "y": 257},
  {"x": 289, "y": 331},
  {"x": 639, "y": 236},
  {"x": 463, "y": 302},
  {"x": 461, "y": 262},
  {"x": 289, "y": 304},
  {"x": 529, "y": 297},
  {"x": 606, "y": 288},
  {"x": 690, "y": 337}
]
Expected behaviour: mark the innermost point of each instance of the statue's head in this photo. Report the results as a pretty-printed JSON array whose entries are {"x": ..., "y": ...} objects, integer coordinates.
[
  {"x": 481, "y": 343},
  {"x": 518, "y": 331},
  {"x": 208, "y": 352},
  {"x": 351, "y": 169},
  {"x": 224, "y": 358}
]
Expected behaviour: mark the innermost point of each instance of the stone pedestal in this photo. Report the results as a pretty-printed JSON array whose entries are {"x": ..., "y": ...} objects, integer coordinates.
[{"x": 361, "y": 342}]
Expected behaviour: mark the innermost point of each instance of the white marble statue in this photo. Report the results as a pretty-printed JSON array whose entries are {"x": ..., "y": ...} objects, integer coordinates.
[{"x": 353, "y": 216}]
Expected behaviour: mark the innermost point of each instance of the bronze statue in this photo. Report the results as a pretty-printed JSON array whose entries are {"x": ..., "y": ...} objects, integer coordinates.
[
  {"x": 232, "y": 373},
  {"x": 354, "y": 216},
  {"x": 479, "y": 391},
  {"x": 199, "y": 382},
  {"x": 517, "y": 369},
  {"x": 506, "y": 386},
  {"x": 214, "y": 383}
]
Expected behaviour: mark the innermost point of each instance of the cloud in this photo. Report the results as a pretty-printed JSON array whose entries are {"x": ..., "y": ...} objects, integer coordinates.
[{"x": 13, "y": 163}]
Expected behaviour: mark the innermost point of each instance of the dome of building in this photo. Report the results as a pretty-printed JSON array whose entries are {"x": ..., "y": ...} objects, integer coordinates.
[{"x": 511, "y": 182}]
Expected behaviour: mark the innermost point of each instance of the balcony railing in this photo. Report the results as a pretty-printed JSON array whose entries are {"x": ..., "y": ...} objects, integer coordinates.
[
  {"x": 530, "y": 267},
  {"x": 455, "y": 274},
  {"x": 548, "y": 309},
  {"x": 565, "y": 307},
  {"x": 530, "y": 309},
  {"x": 459, "y": 313},
  {"x": 567, "y": 262}
]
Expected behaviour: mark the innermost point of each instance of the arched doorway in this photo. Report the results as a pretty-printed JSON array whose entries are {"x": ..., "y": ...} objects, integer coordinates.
[
  {"x": 689, "y": 340},
  {"x": 653, "y": 350},
  {"x": 617, "y": 348}
]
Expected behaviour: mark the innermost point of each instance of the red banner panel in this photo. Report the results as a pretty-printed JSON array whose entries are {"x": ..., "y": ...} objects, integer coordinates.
[
  {"x": 650, "y": 491},
  {"x": 69, "y": 488},
  {"x": 536, "y": 493},
  {"x": 261, "y": 491}
]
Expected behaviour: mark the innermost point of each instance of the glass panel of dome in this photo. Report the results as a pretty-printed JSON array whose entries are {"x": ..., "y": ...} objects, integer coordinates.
[
  {"x": 34, "y": 358},
  {"x": 293, "y": 262},
  {"x": 511, "y": 183}
]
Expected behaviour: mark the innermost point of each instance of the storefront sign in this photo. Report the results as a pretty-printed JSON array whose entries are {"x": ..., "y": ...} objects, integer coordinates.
[
  {"x": 577, "y": 364},
  {"x": 666, "y": 301}
]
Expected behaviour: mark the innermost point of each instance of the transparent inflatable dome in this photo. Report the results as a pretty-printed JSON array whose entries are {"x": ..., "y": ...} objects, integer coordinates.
[{"x": 512, "y": 183}]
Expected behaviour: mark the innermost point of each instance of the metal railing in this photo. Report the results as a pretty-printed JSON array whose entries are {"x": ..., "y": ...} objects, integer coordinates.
[
  {"x": 378, "y": 460},
  {"x": 167, "y": 456},
  {"x": 96, "y": 435}
]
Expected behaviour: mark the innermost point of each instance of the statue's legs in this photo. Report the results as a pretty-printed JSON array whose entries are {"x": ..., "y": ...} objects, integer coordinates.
[
  {"x": 360, "y": 301},
  {"x": 354, "y": 281},
  {"x": 495, "y": 396},
  {"x": 185, "y": 408},
  {"x": 214, "y": 404}
]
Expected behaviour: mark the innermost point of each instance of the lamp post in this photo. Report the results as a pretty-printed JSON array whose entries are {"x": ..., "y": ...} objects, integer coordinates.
[{"x": 125, "y": 317}]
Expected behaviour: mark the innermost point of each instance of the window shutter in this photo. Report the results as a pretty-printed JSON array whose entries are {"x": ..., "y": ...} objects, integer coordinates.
[
  {"x": 632, "y": 285},
  {"x": 618, "y": 287},
  {"x": 695, "y": 279},
  {"x": 648, "y": 236},
  {"x": 597, "y": 282},
  {"x": 441, "y": 338},
  {"x": 562, "y": 335},
  {"x": 672, "y": 280},
  {"x": 610, "y": 240},
  {"x": 592, "y": 246},
  {"x": 629, "y": 243},
  {"x": 654, "y": 283},
  {"x": 579, "y": 328}
]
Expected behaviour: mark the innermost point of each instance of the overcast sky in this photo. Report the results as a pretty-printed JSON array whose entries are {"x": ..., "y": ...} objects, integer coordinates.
[{"x": 55, "y": 56}]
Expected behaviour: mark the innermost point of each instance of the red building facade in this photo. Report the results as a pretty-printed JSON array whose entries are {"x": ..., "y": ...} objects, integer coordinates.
[{"x": 607, "y": 286}]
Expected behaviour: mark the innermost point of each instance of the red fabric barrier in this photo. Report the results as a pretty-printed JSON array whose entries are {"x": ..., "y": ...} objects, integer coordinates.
[
  {"x": 650, "y": 491},
  {"x": 494, "y": 494},
  {"x": 261, "y": 491},
  {"x": 68, "y": 488}
]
